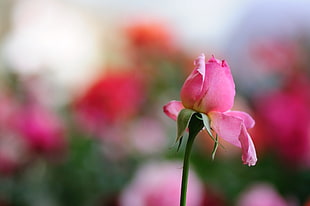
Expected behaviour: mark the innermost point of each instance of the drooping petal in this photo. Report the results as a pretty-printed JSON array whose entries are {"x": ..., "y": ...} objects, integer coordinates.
[
  {"x": 172, "y": 109},
  {"x": 218, "y": 91},
  {"x": 247, "y": 119},
  {"x": 193, "y": 85},
  {"x": 232, "y": 128},
  {"x": 248, "y": 149},
  {"x": 226, "y": 126}
]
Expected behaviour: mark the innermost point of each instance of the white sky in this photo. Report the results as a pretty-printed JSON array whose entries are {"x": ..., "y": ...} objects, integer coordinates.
[{"x": 197, "y": 22}]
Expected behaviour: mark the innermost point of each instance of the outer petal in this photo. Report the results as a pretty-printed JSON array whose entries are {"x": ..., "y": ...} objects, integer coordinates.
[
  {"x": 192, "y": 87},
  {"x": 231, "y": 127},
  {"x": 248, "y": 149},
  {"x": 173, "y": 108},
  {"x": 226, "y": 126},
  {"x": 218, "y": 90},
  {"x": 247, "y": 119}
]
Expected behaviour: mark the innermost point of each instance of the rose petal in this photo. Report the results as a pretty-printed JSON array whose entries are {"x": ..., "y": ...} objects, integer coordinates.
[
  {"x": 218, "y": 91},
  {"x": 173, "y": 108},
  {"x": 231, "y": 127},
  {"x": 248, "y": 149},
  {"x": 226, "y": 126},
  {"x": 210, "y": 87},
  {"x": 192, "y": 87},
  {"x": 247, "y": 119},
  {"x": 201, "y": 66}
]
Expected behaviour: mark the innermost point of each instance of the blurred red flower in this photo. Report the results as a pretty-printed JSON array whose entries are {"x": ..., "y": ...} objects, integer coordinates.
[
  {"x": 213, "y": 198},
  {"x": 307, "y": 203},
  {"x": 150, "y": 37},
  {"x": 113, "y": 98}
]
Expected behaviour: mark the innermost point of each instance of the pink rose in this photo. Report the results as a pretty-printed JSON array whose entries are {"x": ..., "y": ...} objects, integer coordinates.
[
  {"x": 210, "y": 87},
  {"x": 210, "y": 90}
]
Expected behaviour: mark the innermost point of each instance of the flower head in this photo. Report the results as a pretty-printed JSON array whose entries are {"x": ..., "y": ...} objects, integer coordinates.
[
  {"x": 210, "y": 90},
  {"x": 210, "y": 87}
]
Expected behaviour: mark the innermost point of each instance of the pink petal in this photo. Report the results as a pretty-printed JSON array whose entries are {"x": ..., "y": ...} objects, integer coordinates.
[
  {"x": 226, "y": 126},
  {"x": 210, "y": 87},
  {"x": 247, "y": 119},
  {"x": 201, "y": 66},
  {"x": 173, "y": 108},
  {"x": 248, "y": 149},
  {"x": 192, "y": 87},
  {"x": 218, "y": 91},
  {"x": 232, "y": 128}
]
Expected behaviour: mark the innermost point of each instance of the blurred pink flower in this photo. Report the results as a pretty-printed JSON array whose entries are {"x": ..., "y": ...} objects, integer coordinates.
[
  {"x": 7, "y": 109},
  {"x": 28, "y": 130},
  {"x": 158, "y": 184},
  {"x": 146, "y": 135},
  {"x": 42, "y": 129},
  {"x": 277, "y": 55},
  {"x": 210, "y": 89},
  {"x": 113, "y": 98},
  {"x": 284, "y": 119},
  {"x": 14, "y": 151},
  {"x": 262, "y": 195}
]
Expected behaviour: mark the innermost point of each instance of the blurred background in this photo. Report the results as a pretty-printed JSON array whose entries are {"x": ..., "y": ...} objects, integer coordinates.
[{"x": 83, "y": 82}]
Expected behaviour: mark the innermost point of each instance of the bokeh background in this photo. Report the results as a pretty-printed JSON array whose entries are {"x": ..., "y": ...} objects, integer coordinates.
[{"x": 83, "y": 82}]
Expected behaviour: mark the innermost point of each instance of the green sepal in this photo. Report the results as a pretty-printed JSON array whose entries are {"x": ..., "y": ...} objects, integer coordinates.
[
  {"x": 216, "y": 144},
  {"x": 206, "y": 122},
  {"x": 180, "y": 142},
  {"x": 183, "y": 120},
  {"x": 195, "y": 125}
]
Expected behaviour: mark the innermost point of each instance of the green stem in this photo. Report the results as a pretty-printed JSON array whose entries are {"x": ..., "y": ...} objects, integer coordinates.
[
  {"x": 194, "y": 127},
  {"x": 186, "y": 170}
]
